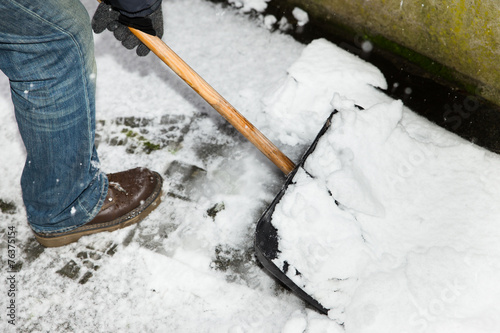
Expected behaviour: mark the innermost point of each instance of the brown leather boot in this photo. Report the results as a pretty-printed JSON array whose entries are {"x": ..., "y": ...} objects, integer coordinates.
[{"x": 132, "y": 195}]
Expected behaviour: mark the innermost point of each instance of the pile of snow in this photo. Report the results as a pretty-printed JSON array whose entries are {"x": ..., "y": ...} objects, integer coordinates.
[
  {"x": 301, "y": 104},
  {"x": 393, "y": 223}
]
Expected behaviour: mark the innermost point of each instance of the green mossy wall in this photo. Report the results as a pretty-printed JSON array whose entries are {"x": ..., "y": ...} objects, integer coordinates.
[{"x": 462, "y": 35}]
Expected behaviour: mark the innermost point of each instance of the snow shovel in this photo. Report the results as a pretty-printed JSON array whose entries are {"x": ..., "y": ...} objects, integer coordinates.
[{"x": 266, "y": 241}]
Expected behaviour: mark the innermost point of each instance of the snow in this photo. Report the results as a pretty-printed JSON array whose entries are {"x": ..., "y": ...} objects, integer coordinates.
[
  {"x": 301, "y": 16},
  {"x": 270, "y": 21},
  {"x": 411, "y": 247},
  {"x": 299, "y": 107},
  {"x": 408, "y": 239},
  {"x": 248, "y": 5}
]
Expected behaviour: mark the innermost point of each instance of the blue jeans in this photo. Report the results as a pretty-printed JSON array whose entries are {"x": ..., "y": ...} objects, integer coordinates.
[{"x": 47, "y": 52}]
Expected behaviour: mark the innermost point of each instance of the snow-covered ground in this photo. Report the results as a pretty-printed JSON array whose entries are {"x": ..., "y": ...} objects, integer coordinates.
[{"x": 189, "y": 267}]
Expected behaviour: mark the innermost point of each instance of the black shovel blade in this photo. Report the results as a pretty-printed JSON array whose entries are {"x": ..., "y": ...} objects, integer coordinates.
[{"x": 267, "y": 240}]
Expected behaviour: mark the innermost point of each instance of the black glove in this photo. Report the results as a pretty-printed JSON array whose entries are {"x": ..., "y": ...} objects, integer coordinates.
[{"x": 107, "y": 17}]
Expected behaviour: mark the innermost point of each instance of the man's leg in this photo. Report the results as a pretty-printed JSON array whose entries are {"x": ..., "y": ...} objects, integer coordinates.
[{"x": 46, "y": 50}]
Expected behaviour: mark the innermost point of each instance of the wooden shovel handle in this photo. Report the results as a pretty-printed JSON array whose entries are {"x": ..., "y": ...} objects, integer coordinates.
[{"x": 208, "y": 93}]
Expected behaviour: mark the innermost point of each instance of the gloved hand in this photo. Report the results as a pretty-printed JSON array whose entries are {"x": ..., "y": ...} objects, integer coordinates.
[{"x": 107, "y": 17}]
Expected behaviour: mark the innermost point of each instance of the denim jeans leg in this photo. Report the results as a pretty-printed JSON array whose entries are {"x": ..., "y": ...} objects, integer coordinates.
[{"x": 47, "y": 52}]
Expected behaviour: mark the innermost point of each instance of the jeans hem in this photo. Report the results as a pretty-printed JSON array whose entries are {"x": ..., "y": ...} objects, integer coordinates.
[{"x": 90, "y": 216}]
